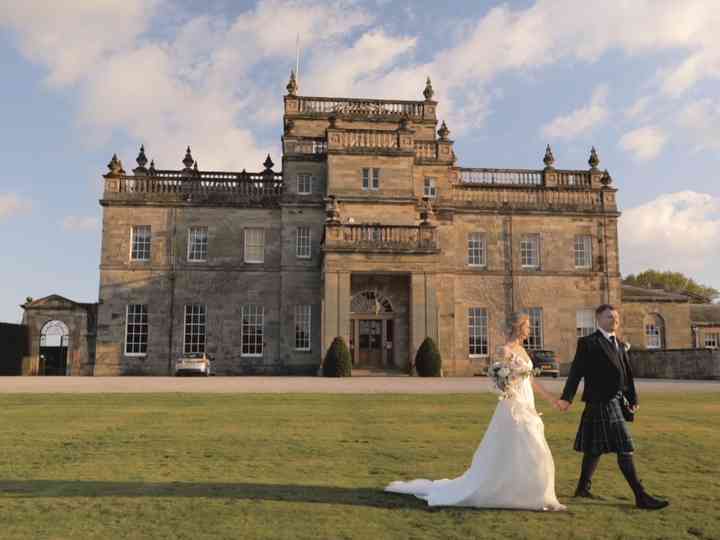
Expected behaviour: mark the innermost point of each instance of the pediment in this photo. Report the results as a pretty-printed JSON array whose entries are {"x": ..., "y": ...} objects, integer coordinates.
[{"x": 53, "y": 301}]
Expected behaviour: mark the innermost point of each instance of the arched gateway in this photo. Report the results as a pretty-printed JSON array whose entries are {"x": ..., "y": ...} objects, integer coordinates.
[
  {"x": 54, "y": 343},
  {"x": 372, "y": 330}
]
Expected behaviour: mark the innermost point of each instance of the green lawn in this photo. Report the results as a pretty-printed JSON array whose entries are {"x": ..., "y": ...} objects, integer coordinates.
[{"x": 313, "y": 466}]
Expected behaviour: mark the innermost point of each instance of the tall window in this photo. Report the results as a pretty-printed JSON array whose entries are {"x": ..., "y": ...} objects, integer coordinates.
[
  {"x": 535, "y": 339},
  {"x": 430, "y": 187},
  {"x": 530, "y": 251},
  {"x": 304, "y": 184},
  {"x": 302, "y": 327},
  {"x": 197, "y": 244},
  {"x": 585, "y": 322},
  {"x": 583, "y": 251},
  {"x": 478, "y": 331},
  {"x": 136, "y": 330},
  {"x": 712, "y": 340},
  {"x": 370, "y": 179},
  {"x": 302, "y": 243},
  {"x": 254, "y": 245},
  {"x": 140, "y": 242},
  {"x": 654, "y": 331},
  {"x": 477, "y": 249},
  {"x": 195, "y": 321},
  {"x": 252, "y": 330}
]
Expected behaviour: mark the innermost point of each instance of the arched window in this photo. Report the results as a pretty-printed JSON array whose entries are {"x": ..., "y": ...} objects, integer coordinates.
[
  {"x": 654, "y": 331},
  {"x": 54, "y": 334},
  {"x": 370, "y": 302}
]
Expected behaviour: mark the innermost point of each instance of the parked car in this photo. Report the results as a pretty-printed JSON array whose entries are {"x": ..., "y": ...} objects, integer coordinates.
[
  {"x": 194, "y": 364},
  {"x": 546, "y": 362}
]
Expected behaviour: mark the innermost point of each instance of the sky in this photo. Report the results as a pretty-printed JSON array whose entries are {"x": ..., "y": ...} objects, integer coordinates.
[{"x": 638, "y": 80}]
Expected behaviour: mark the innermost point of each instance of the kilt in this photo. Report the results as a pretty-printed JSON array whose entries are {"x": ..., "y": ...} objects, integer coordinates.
[{"x": 603, "y": 429}]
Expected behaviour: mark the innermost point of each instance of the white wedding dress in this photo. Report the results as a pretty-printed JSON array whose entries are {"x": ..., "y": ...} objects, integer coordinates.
[{"x": 512, "y": 467}]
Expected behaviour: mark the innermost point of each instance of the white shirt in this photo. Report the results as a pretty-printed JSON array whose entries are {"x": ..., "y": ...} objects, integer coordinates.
[{"x": 608, "y": 335}]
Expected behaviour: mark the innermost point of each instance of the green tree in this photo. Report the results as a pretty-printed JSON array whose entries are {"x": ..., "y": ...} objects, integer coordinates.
[
  {"x": 673, "y": 282},
  {"x": 337, "y": 360},
  {"x": 428, "y": 362}
]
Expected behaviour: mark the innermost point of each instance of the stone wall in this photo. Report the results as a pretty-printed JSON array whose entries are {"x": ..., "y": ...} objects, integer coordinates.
[
  {"x": 676, "y": 317},
  {"x": 676, "y": 364}
]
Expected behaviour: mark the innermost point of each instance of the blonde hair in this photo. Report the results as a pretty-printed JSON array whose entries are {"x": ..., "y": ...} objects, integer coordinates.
[{"x": 514, "y": 321}]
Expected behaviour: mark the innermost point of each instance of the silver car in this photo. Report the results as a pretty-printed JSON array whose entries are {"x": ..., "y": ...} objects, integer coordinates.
[{"x": 194, "y": 364}]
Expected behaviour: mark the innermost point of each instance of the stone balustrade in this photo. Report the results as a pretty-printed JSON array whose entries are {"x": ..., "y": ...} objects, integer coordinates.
[
  {"x": 368, "y": 139},
  {"x": 529, "y": 198},
  {"x": 364, "y": 238},
  {"x": 510, "y": 177},
  {"x": 357, "y": 107},
  {"x": 315, "y": 146}
]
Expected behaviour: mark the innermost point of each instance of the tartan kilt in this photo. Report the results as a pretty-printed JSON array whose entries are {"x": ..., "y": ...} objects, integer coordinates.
[{"x": 603, "y": 429}]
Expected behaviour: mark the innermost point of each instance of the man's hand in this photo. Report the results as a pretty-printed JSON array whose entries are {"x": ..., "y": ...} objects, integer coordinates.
[
  {"x": 562, "y": 405},
  {"x": 634, "y": 408}
]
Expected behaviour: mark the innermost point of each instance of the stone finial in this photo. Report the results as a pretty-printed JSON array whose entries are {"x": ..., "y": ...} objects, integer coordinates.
[
  {"x": 115, "y": 165},
  {"x": 332, "y": 121},
  {"x": 443, "y": 132},
  {"x": 292, "y": 85},
  {"x": 289, "y": 126},
  {"x": 606, "y": 179},
  {"x": 594, "y": 160},
  {"x": 549, "y": 158},
  {"x": 268, "y": 163},
  {"x": 404, "y": 123},
  {"x": 188, "y": 161},
  {"x": 428, "y": 92},
  {"x": 195, "y": 168},
  {"x": 151, "y": 170},
  {"x": 332, "y": 214},
  {"x": 142, "y": 159},
  {"x": 425, "y": 209}
]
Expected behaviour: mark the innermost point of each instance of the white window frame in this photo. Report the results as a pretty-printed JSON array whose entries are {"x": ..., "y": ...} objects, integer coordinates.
[
  {"x": 711, "y": 340},
  {"x": 527, "y": 242},
  {"x": 253, "y": 317},
  {"x": 653, "y": 336},
  {"x": 136, "y": 330},
  {"x": 477, "y": 250},
  {"x": 305, "y": 183},
  {"x": 370, "y": 178},
  {"x": 196, "y": 234},
  {"x": 254, "y": 246},
  {"x": 144, "y": 243},
  {"x": 430, "y": 187},
  {"x": 585, "y": 322},
  {"x": 477, "y": 332},
  {"x": 195, "y": 327},
  {"x": 583, "y": 251},
  {"x": 303, "y": 321},
  {"x": 536, "y": 340},
  {"x": 303, "y": 243}
]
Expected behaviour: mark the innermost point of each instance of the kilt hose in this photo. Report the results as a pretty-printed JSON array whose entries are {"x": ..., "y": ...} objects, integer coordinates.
[{"x": 603, "y": 429}]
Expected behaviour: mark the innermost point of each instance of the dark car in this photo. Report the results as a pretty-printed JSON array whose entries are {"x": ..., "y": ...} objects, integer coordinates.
[{"x": 546, "y": 362}]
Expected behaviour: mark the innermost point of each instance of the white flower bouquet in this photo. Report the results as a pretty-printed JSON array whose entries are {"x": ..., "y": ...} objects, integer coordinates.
[{"x": 507, "y": 374}]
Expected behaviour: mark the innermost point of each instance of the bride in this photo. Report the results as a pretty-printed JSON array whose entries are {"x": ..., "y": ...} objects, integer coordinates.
[{"x": 513, "y": 466}]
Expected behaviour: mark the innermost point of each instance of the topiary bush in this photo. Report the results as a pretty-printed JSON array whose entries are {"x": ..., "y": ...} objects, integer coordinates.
[
  {"x": 428, "y": 362},
  {"x": 337, "y": 360}
]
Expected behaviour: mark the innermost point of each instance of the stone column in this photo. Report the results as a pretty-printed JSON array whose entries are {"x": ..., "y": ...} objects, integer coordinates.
[
  {"x": 423, "y": 312},
  {"x": 336, "y": 308}
]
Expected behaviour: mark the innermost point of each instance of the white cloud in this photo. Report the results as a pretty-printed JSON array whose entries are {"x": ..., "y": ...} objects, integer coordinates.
[
  {"x": 677, "y": 231},
  {"x": 580, "y": 120},
  {"x": 638, "y": 108},
  {"x": 644, "y": 143},
  {"x": 701, "y": 120},
  {"x": 13, "y": 205},
  {"x": 80, "y": 223}
]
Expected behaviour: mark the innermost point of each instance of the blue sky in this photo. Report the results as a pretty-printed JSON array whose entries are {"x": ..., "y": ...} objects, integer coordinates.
[{"x": 638, "y": 80}]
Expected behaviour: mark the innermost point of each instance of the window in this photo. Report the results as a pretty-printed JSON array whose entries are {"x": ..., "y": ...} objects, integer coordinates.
[
  {"x": 195, "y": 320},
  {"x": 302, "y": 327},
  {"x": 478, "y": 331},
  {"x": 254, "y": 245},
  {"x": 140, "y": 242},
  {"x": 136, "y": 330},
  {"x": 585, "y": 322},
  {"x": 371, "y": 179},
  {"x": 197, "y": 244},
  {"x": 302, "y": 243},
  {"x": 477, "y": 252},
  {"x": 535, "y": 339},
  {"x": 583, "y": 251},
  {"x": 304, "y": 184},
  {"x": 530, "y": 251},
  {"x": 252, "y": 330},
  {"x": 654, "y": 331},
  {"x": 430, "y": 187},
  {"x": 712, "y": 340}
]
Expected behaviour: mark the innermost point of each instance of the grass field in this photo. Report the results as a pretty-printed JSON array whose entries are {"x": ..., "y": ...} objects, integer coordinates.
[{"x": 313, "y": 466}]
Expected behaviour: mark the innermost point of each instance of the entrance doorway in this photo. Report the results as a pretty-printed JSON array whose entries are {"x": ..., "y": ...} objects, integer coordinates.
[
  {"x": 372, "y": 330},
  {"x": 54, "y": 342},
  {"x": 370, "y": 342}
]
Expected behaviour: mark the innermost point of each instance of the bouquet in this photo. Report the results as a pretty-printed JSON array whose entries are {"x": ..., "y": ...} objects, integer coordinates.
[{"x": 506, "y": 375}]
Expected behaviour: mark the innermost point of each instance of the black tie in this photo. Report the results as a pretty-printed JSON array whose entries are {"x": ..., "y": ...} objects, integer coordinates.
[{"x": 612, "y": 340}]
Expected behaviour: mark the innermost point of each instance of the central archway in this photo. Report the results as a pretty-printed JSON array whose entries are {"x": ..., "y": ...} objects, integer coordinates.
[
  {"x": 54, "y": 343},
  {"x": 372, "y": 330}
]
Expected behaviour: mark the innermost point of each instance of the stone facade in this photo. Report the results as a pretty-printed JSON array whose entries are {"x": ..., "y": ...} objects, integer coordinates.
[{"x": 375, "y": 188}]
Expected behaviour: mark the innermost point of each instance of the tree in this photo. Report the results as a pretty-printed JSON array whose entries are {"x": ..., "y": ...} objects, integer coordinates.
[
  {"x": 428, "y": 362},
  {"x": 337, "y": 360},
  {"x": 673, "y": 282}
]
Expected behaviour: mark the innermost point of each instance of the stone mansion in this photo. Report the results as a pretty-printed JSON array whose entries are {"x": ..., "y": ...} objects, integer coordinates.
[{"x": 370, "y": 231}]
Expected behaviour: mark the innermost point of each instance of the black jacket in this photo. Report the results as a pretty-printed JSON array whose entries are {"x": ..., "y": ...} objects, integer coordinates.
[{"x": 597, "y": 362}]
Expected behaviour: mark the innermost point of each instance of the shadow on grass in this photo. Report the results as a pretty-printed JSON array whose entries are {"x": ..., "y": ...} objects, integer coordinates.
[{"x": 270, "y": 492}]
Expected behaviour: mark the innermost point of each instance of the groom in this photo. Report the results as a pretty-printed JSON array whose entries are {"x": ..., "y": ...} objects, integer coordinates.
[{"x": 602, "y": 360}]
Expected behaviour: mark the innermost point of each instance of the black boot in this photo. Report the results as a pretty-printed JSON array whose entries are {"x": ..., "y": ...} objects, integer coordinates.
[
  {"x": 642, "y": 498},
  {"x": 589, "y": 464}
]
